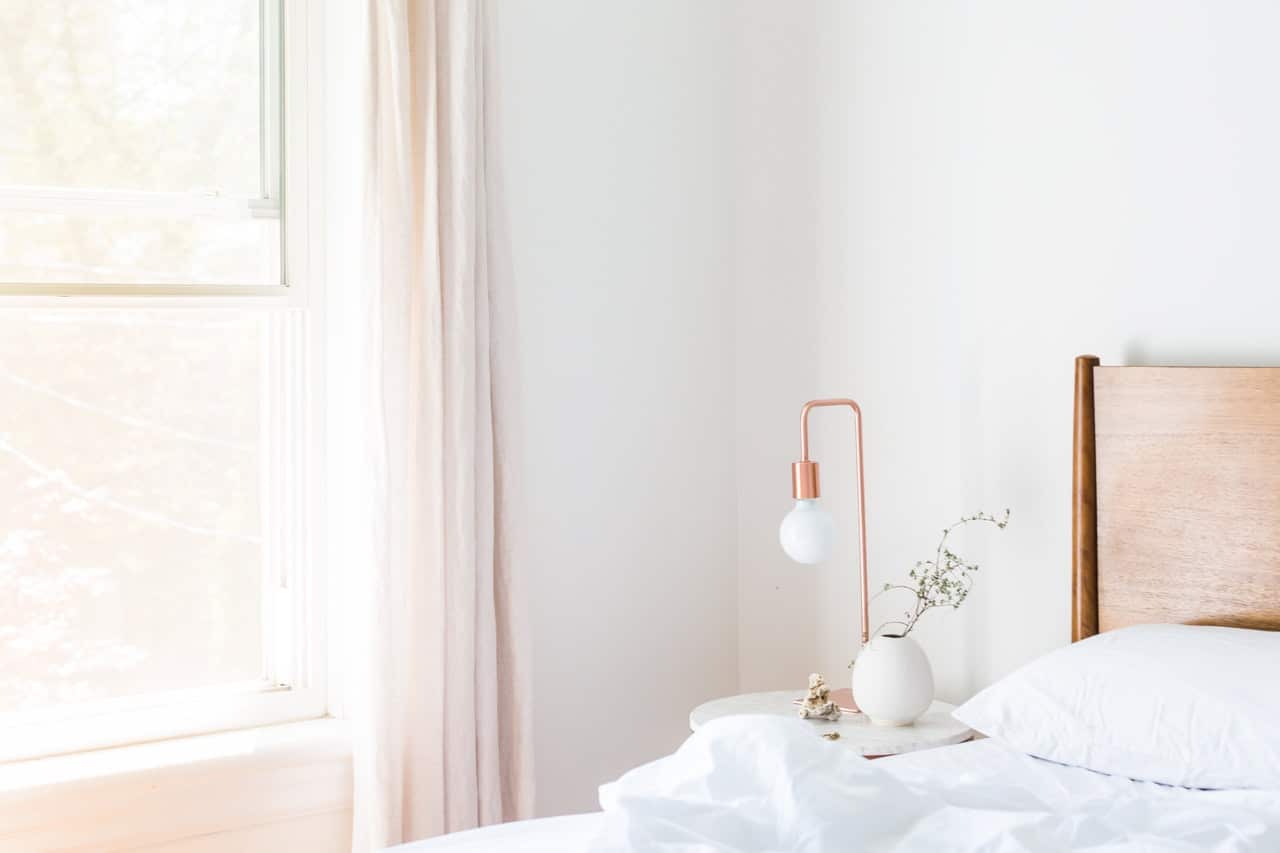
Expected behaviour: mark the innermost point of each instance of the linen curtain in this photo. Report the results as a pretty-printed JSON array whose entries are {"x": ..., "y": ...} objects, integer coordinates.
[{"x": 439, "y": 706}]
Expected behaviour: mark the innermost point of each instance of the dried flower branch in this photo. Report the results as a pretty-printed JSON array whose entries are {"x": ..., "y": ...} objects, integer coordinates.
[{"x": 944, "y": 581}]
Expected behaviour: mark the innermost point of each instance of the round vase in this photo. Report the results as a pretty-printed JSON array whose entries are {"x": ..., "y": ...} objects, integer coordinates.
[{"x": 892, "y": 681}]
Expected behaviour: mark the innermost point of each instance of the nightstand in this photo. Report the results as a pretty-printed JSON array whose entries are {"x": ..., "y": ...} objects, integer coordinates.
[{"x": 936, "y": 727}]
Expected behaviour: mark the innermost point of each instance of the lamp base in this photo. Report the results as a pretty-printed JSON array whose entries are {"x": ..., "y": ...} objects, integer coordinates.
[{"x": 842, "y": 697}]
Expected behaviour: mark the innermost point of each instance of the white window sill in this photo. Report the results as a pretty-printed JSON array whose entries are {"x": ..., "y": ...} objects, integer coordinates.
[{"x": 154, "y": 793}]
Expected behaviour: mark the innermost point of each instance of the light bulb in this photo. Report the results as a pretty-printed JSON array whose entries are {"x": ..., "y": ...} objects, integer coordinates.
[{"x": 807, "y": 533}]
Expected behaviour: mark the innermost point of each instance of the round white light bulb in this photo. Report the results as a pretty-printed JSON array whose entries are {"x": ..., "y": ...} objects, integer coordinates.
[{"x": 807, "y": 533}]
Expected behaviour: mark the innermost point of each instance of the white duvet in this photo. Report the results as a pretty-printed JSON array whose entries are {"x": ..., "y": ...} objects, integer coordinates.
[{"x": 768, "y": 784}]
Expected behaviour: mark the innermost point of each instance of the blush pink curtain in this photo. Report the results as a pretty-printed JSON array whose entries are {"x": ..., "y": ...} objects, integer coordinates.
[{"x": 440, "y": 704}]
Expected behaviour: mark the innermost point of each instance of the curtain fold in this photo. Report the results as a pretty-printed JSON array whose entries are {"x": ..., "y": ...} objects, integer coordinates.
[{"x": 440, "y": 709}]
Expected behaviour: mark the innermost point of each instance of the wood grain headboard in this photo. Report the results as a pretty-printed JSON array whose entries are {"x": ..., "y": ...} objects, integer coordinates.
[{"x": 1176, "y": 497}]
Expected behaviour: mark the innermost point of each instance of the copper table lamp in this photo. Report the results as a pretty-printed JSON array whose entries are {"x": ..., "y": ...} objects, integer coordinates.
[{"x": 807, "y": 533}]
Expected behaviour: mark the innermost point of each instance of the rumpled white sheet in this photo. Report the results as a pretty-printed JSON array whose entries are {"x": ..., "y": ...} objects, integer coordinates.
[{"x": 768, "y": 784}]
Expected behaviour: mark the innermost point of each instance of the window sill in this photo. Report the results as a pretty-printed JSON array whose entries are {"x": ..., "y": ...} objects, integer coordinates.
[{"x": 154, "y": 793}]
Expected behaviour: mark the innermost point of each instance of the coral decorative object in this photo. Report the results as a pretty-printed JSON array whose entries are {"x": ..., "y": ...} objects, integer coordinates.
[{"x": 817, "y": 703}]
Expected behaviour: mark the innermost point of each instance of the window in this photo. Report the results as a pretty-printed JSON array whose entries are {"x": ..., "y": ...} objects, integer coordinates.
[
  {"x": 158, "y": 379},
  {"x": 141, "y": 142}
]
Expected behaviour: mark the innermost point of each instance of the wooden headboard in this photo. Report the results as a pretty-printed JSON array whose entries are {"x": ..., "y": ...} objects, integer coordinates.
[{"x": 1176, "y": 497}]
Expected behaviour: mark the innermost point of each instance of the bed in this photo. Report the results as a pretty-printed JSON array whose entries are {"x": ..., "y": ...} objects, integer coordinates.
[
  {"x": 1175, "y": 523},
  {"x": 975, "y": 774},
  {"x": 975, "y": 764},
  {"x": 1175, "y": 467}
]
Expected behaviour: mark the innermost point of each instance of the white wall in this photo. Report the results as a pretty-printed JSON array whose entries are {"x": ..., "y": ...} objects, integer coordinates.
[
  {"x": 777, "y": 200},
  {"x": 612, "y": 131},
  {"x": 1005, "y": 185},
  {"x": 716, "y": 211}
]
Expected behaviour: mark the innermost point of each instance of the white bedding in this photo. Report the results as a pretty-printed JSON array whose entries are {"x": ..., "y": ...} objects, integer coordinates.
[
  {"x": 767, "y": 784},
  {"x": 567, "y": 834}
]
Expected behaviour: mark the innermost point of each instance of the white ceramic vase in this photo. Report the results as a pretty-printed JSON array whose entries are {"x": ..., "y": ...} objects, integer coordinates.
[{"x": 892, "y": 681}]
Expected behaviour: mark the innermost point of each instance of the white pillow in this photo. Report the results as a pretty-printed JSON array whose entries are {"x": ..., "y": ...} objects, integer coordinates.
[{"x": 1187, "y": 705}]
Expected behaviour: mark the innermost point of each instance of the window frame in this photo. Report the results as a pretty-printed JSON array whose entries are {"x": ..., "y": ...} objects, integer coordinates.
[{"x": 296, "y": 669}]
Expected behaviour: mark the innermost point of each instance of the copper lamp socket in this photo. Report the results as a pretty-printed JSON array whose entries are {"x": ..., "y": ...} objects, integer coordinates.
[{"x": 804, "y": 480}]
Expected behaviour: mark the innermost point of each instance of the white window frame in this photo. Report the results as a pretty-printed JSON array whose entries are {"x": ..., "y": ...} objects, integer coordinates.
[{"x": 295, "y": 672}]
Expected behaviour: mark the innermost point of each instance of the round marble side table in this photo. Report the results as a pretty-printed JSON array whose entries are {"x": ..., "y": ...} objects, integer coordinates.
[{"x": 936, "y": 727}]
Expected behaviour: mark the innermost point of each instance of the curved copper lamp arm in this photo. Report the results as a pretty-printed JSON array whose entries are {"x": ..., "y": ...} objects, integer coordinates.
[{"x": 804, "y": 485}]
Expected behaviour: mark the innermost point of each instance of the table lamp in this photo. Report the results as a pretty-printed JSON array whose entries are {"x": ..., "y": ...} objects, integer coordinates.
[{"x": 807, "y": 533}]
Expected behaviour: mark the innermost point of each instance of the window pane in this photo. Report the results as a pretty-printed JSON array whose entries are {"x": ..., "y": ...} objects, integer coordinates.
[
  {"x": 155, "y": 95},
  {"x": 136, "y": 146},
  {"x": 130, "y": 526},
  {"x": 40, "y": 248}
]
